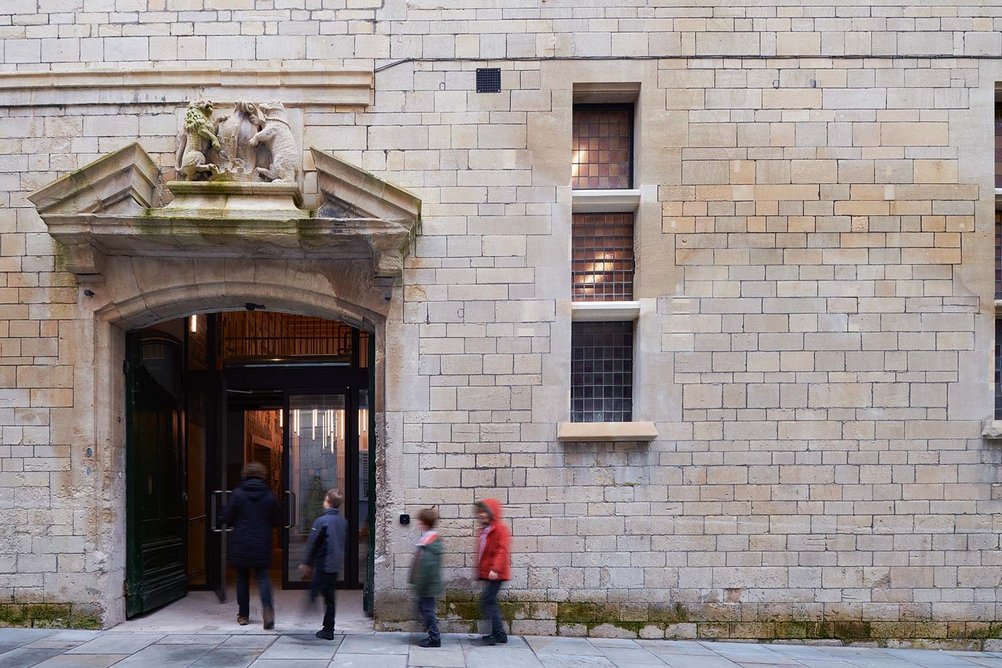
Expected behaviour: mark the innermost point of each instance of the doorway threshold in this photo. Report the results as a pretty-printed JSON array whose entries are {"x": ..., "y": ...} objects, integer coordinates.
[{"x": 202, "y": 611}]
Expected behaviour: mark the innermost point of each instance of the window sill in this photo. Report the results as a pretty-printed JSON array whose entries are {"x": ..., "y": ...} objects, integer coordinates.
[
  {"x": 992, "y": 430},
  {"x": 606, "y": 431},
  {"x": 998, "y": 307},
  {"x": 604, "y": 311},
  {"x": 605, "y": 201}
]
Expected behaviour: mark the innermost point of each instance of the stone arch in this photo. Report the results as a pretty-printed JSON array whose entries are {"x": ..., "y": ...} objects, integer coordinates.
[{"x": 139, "y": 292}]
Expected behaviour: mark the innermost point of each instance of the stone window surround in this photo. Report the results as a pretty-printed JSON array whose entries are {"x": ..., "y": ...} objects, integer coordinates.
[
  {"x": 992, "y": 427},
  {"x": 607, "y": 201}
]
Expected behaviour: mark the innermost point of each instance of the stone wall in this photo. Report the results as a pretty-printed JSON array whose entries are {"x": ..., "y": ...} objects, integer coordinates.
[{"x": 814, "y": 266}]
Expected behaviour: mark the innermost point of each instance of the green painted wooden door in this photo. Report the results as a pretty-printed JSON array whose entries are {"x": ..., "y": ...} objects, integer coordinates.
[{"x": 155, "y": 493}]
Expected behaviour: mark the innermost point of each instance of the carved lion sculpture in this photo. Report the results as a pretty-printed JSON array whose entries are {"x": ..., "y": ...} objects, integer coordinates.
[
  {"x": 194, "y": 140},
  {"x": 277, "y": 135}
]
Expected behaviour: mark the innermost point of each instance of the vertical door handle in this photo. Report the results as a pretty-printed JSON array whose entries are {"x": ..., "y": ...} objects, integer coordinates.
[
  {"x": 213, "y": 511},
  {"x": 291, "y": 515}
]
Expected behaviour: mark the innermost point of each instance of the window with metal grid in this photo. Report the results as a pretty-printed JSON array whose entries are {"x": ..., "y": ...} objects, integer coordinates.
[
  {"x": 998, "y": 369},
  {"x": 601, "y": 371},
  {"x": 998, "y": 255},
  {"x": 998, "y": 145},
  {"x": 602, "y": 257},
  {"x": 603, "y": 146}
]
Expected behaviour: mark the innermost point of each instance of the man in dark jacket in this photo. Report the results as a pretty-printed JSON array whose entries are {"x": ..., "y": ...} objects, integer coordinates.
[
  {"x": 325, "y": 551},
  {"x": 252, "y": 512}
]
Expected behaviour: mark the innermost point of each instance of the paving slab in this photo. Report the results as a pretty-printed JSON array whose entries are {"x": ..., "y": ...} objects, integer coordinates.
[
  {"x": 250, "y": 641},
  {"x": 547, "y": 645},
  {"x": 166, "y": 656},
  {"x": 931, "y": 658},
  {"x": 495, "y": 657},
  {"x": 571, "y": 660},
  {"x": 80, "y": 661},
  {"x": 685, "y": 647},
  {"x": 23, "y": 657},
  {"x": 691, "y": 660},
  {"x": 370, "y": 661},
  {"x": 446, "y": 656},
  {"x": 305, "y": 647},
  {"x": 630, "y": 656},
  {"x": 193, "y": 639},
  {"x": 377, "y": 643},
  {"x": 117, "y": 643},
  {"x": 227, "y": 657},
  {"x": 20, "y": 636}
]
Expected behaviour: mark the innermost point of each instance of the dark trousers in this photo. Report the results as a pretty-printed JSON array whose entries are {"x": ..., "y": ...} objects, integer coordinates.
[
  {"x": 426, "y": 608},
  {"x": 328, "y": 582},
  {"x": 489, "y": 605},
  {"x": 243, "y": 588}
]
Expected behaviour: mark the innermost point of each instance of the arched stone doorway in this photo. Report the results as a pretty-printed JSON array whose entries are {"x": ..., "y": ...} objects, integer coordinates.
[
  {"x": 138, "y": 263},
  {"x": 117, "y": 315}
]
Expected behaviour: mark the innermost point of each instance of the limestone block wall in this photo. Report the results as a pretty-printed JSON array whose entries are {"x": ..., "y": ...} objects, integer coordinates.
[{"x": 815, "y": 266}]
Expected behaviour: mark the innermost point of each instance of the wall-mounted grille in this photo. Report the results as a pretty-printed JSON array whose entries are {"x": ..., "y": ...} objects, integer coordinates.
[
  {"x": 601, "y": 371},
  {"x": 602, "y": 257},
  {"x": 488, "y": 79}
]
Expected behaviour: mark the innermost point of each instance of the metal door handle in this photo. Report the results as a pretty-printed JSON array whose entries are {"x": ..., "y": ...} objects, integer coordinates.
[
  {"x": 213, "y": 514},
  {"x": 291, "y": 515}
]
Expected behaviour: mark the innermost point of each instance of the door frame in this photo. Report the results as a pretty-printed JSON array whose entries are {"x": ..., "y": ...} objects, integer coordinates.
[{"x": 349, "y": 508}]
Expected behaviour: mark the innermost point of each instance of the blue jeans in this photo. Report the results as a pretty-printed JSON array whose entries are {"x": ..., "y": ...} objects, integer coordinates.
[
  {"x": 243, "y": 589},
  {"x": 489, "y": 606},
  {"x": 426, "y": 608}
]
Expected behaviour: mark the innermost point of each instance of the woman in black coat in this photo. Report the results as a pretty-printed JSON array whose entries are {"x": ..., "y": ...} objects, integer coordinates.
[{"x": 252, "y": 512}]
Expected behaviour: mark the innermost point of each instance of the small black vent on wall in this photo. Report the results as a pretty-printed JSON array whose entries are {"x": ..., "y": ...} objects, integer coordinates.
[{"x": 488, "y": 79}]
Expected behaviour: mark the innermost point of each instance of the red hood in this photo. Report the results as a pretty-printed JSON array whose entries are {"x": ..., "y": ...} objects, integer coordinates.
[{"x": 493, "y": 507}]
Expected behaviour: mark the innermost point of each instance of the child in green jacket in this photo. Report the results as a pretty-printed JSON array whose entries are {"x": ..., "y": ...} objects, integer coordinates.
[{"x": 426, "y": 575}]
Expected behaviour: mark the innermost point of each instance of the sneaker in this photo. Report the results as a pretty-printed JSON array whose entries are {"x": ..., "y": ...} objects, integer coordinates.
[
  {"x": 501, "y": 638},
  {"x": 488, "y": 640},
  {"x": 243, "y": 620},
  {"x": 325, "y": 634},
  {"x": 430, "y": 642},
  {"x": 269, "y": 618}
]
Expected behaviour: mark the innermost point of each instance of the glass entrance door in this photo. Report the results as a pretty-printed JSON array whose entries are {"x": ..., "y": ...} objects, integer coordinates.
[{"x": 316, "y": 458}]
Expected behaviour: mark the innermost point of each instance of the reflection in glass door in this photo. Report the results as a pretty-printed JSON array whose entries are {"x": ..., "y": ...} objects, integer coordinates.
[{"x": 315, "y": 462}]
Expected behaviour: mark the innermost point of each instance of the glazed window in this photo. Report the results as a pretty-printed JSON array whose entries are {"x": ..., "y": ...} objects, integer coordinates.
[
  {"x": 602, "y": 146},
  {"x": 601, "y": 372},
  {"x": 602, "y": 257}
]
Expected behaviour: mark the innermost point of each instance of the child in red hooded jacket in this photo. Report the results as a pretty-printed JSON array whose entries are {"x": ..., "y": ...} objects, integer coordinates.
[{"x": 493, "y": 564}]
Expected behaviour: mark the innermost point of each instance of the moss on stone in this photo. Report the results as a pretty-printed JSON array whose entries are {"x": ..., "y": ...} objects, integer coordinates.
[
  {"x": 48, "y": 615},
  {"x": 12, "y": 614},
  {"x": 81, "y": 618},
  {"x": 851, "y": 631},
  {"x": 668, "y": 614}
]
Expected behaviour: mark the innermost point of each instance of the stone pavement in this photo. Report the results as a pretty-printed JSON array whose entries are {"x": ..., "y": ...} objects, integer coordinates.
[{"x": 256, "y": 649}]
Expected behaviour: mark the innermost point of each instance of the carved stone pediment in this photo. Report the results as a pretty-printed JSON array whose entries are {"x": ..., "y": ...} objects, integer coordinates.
[
  {"x": 348, "y": 192},
  {"x": 111, "y": 207}
]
